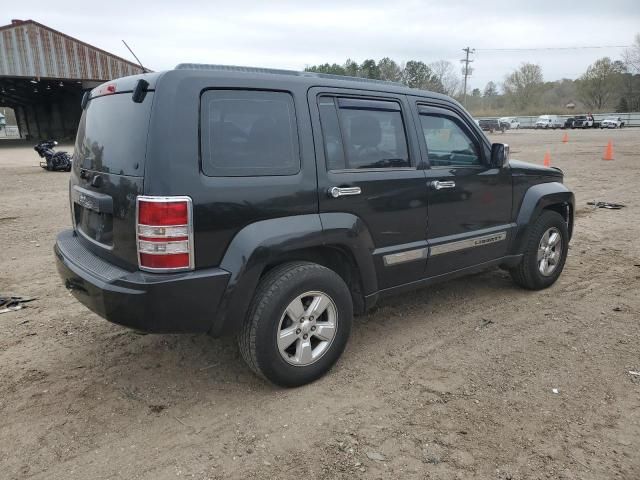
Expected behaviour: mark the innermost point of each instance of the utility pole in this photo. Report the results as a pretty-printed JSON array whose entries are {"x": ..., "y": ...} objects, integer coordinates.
[{"x": 466, "y": 71}]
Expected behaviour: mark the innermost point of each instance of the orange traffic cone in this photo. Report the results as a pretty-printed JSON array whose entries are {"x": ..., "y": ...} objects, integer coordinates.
[
  {"x": 608, "y": 152},
  {"x": 565, "y": 139},
  {"x": 547, "y": 159}
]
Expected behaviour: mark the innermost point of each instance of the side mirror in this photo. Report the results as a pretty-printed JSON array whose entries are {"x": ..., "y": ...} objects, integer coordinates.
[{"x": 499, "y": 155}]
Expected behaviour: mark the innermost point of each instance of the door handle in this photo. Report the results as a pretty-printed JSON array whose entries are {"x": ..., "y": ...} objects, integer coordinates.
[
  {"x": 336, "y": 192},
  {"x": 438, "y": 185}
]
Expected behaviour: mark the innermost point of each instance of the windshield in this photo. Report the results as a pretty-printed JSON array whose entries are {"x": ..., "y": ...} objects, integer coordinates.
[
  {"x": 543, "y": 119},
  {"x": 611, "y": 119}
]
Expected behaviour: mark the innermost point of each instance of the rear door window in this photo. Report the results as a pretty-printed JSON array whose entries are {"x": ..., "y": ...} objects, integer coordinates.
[
  {"x": 373, "y": 134},
  {"x": 248, "y": 133},
  {"x": 363, "y": 134},
  {"x": 112, "y": 134}
]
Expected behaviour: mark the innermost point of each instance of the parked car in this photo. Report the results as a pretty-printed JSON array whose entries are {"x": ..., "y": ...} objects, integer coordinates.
[
  {"x": 568, "y": 123},
  {"x": 491, "y": 125},
  {"x": 612, "y": 122},
  {"x": 548, "y": 121},
  {"x": 275, "y": 205},
  {"x": 583, "y": 121},
  {"x": 510, "y": 123}
]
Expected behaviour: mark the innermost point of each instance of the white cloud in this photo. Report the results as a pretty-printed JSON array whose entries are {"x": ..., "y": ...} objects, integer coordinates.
[{"x": 293, "y": 34}]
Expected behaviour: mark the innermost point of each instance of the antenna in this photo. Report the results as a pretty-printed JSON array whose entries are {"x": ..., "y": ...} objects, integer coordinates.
[{"x": 144, "y": 70}]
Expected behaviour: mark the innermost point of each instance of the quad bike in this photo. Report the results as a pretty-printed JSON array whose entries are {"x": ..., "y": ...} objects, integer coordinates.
[{"x": 54, "y": 161}]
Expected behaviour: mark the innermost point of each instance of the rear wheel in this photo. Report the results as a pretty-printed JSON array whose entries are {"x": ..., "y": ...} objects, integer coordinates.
[
  {"x": 298, "y": 324},
  {"x": 545, "y": 252}
]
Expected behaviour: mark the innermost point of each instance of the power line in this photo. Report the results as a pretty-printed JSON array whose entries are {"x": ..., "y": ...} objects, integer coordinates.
[{"x": 549, "y": 48}]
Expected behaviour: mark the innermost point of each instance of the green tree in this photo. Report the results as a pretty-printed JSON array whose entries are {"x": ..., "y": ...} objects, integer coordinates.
[
  {"x": 490, "y": 90},
  {"x": 476, "y": 92},
  {"x": 597, "y": 86},
  {"x": 389, "y": 70},
  {"x": 333, "y": 69},
  {"x": 417, "y": 74},
  {"x": 351, "y": 68},
  {"x": 523, "y": 86},
  {"x": 369, "y": 69}
]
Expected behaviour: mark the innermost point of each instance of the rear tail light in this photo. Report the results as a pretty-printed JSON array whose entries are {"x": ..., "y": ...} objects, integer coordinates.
[{"x": 164, "y": 234}]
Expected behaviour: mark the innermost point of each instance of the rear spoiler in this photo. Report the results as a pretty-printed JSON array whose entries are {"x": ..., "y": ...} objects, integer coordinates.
[{"x": 138, "y": 85}]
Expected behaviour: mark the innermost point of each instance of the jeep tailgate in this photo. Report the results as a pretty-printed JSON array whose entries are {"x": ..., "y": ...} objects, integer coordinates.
[{"x": 108, "y": 174}]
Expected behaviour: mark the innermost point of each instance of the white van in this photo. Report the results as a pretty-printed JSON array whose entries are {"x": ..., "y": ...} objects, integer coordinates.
[{"x": 548, "y": 121}]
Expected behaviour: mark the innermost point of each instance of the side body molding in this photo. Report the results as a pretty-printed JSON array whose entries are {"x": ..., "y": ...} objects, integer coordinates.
[
  {"x": 537, "y": 198},
  {"x": 261, "y": 243}
]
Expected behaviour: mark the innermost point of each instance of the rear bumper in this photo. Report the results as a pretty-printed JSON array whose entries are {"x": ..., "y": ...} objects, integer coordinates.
[{"x": 160, "y": 303}]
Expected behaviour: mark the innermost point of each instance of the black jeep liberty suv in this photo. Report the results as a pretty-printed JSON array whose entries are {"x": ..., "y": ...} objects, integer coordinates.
[{"x": 275, "y": 205}]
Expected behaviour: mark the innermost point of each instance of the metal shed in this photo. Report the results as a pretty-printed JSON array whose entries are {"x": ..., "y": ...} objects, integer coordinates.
[{"x": 43, "y": 73}]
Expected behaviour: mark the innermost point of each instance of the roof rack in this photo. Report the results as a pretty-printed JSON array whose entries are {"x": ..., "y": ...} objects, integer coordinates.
[{"x": 277, "y": 71}]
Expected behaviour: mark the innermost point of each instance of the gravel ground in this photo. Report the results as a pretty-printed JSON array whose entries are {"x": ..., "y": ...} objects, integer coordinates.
[{"x": 453, "y": 381}]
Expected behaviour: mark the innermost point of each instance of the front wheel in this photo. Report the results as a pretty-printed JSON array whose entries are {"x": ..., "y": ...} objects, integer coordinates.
[
  {"x": 298, "y": 324},
  {"x": 545, "y": 252}
]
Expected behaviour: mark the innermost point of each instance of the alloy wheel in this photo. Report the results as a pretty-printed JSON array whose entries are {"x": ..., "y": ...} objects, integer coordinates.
[
  {"x": 307, "y": 328},
  {"x": 549, "y": 251}
]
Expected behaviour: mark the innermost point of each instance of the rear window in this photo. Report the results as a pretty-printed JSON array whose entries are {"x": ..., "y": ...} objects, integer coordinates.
[
  {"x": 112, "y": 134},
  {"x": 248, "y": 133}
]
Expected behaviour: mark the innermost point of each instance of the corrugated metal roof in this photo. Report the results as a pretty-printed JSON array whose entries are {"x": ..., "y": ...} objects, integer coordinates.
[{"x": 30, "y": 49}]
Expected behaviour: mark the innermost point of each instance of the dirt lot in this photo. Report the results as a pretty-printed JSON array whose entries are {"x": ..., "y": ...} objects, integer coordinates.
[{"x": 449, "y": 382}]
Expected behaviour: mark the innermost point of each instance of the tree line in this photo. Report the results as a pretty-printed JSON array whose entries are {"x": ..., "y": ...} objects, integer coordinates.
[
  {"x": 606, "y": 85},
  {"x": 438, "y": 76}
]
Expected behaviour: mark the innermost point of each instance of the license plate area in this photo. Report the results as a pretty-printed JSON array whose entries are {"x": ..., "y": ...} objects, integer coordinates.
[{"x": 96, "y": 226}]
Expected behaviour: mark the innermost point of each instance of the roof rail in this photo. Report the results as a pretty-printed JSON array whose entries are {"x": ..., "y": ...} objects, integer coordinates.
[{"x": 277, "y": 71}]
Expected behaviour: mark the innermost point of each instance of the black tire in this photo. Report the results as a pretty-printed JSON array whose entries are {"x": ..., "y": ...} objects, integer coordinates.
[
  {"x": 527, "y": 273},
  {"x": 258, "y": 338}
]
